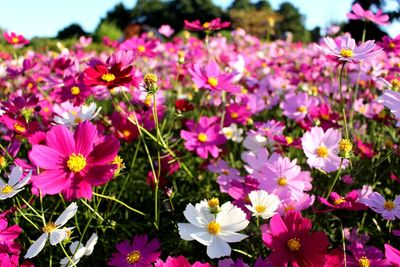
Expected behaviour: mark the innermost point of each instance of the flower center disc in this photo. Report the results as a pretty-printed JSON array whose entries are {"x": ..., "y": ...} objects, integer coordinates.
[
  {"x": 202, "y": 137},
  {"x": 293, "y": 244},
  {"x": 133, "y": 257},
  {"x": 389, "y": 205},
  {"x": 364, "y": 262},
  {"x": 75, "y": 90},
  {"x": 322, "y": 152},
  {"x": 108, "y": 77},
  {"x": 76, "y": 163},
  {"x": 212, "y": 81},
  {"x": 7, "y": 189},
  {"x": 345, "y": 52},
  {"x": 49, "y": 227},
  {"x": 282, "y": 181},
  {"x": 260, "y": 208},
  {"x": 213, "y": 228}
]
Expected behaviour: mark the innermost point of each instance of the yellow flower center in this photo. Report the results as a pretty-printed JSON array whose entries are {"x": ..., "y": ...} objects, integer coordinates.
[
  {"x": 364, "y": 262},
  {"x": 213, "y": 203},
  {"x": 133, "y": 257},
  {"x": 289, "y": 208},
  {"x": 7, "y": 189},
  {"x": 389, "y": 205},
  {"x": 345, "y": 52},
  {"x": 206, "y": 25},
  {"x": 345, "y": 145},
  {"x": 119, "y": 161},
  {"x": 75, "y": 90},
  {"x": 77, "y": 120},
  {"x": 3, "y": 162},
  {"x": 202, "y": 137},
  {"x": 225, "y": 172},
  {"x": 339, "y": 201},
  {"x": 126, "y": 133},
  {"x": 76, "y": 163},
  {"x": 289, "y": 140},
  {"x": 302, "y": 109},
  {"x": 396, "y": 83},
  {"x": 234, "y": 115},
  {"x": 293, "y": 244},
  {"x": 392, "y": 45},
  {"x": 108, "y": 77},
  {"x": 50, "y": 227},
  {"x": 150, "y": 78},
  {"x": 213, "y": 228},
  {"x": 19, "y": 127},
  {"x": 260, "y": 208},
  {"x": 212, "y": 81},
  {"x": 282, "y": 181},
  {"x": 15, "y": 40},
  {"x": 322, "y": 152},
  {"x": 141, "y": 48}
]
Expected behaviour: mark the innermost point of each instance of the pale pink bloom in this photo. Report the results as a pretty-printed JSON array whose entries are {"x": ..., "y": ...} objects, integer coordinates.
[
  {"x": 390, "y": 210},
  {"x": 360, "y": 14},
  {"x": 166, "y": 30}
]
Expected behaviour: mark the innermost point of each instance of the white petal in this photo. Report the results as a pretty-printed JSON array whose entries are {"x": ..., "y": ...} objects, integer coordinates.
[
  {"x": 37, "y": 246},
  {"x": 186, "y": 229},
  {"x": 9, "y": 195},
  {"x": 218, "y": 248},
  {"x": 15, "y": 175},
  {"x": 204, "y": 237},
  {"x": 91, "y": 243},
  {"x": 80, "y": 252},
  {"x": 195, "y": 217},
  {"x": 57, "y": 236},
  {"x": 67, "y": 214},
  {"x": 24, "y": 181},
  {"x": 232, "y": 237}
]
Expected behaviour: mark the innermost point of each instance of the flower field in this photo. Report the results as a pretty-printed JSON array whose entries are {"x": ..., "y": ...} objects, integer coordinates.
[{"x": 226, "y": 150}]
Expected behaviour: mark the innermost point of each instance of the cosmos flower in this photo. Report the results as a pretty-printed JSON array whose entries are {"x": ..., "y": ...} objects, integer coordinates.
[
  {"x": 140, "y": 252},
  {"x": 365, "y": 256},
  {"x": 211, "y": 77},
  {"x": 166, "y": 30},
  {"x": 291, "y": 241},
  {"x": 179, "y": 261},
  {"x": 232, "y": 132},
  {"x": 214, "y": 231},
  {"x": 72, "y": 118},
  {"x": 15, "y": 183},
  {"x": 296, "y": 106},
  {"x": 74, "y": 162},
  {"x": 391, "y": 100},
  {"x": 392, "y": 255},
  {"x": 322, "y": 148},
  {"x": 213, "y": 25},
  {"x": 360, "y": 14},
  {"x": 390, "y": 210},
  {"x": 347, "y": 51},
  {"x": 17, "y": 40},
  {"x": 54, "y": 230},
  {"x": 226, "y": 174},
  {"x": 349, "y": 202},
  {"x": 263, "y": 204},
  {"x": 79, "y": 252}
]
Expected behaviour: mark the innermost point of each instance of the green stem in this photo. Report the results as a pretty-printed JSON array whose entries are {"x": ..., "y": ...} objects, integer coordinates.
[
  {"x": 156, "y": 178},
  {"x": 119, "y": 202},
  {"x": 335, "y": 180},
  {"x": 66, "y": 254},
  {"x": 342, "y": 107}
]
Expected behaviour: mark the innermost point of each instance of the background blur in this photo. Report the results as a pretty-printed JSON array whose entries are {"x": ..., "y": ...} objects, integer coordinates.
[{"x": 306, "y": 19}]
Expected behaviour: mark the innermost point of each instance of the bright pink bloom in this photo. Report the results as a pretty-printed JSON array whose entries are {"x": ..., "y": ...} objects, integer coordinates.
[
  {"x": 180, "y": 261},
  {"x": 365, "y": 256},
  {"x": 360, "y": 14},
  {"x": 9, "y": 249},
  {"x": 290, "y": 205},
  {"x": 226, "y": 174},
  {"x": 72, "y": 163},
  {"x": 140, "y": 252},
  {"x": 213, "y": 25},
  {"x": 392, "y": 255},
  {"x": 204, "y": 137},
  {"x": 390, "y": 210},
  {"x": 291, "y": 241},
  {"x": 347, "y": 51},
  {"x": 212, "y": 78},
  {"x": 391, "y": 45},
  {"x": 17, "y": 40},
  {"x": 349, "y": 202},
  {"x": 296, "y": 106},
  {"x": 142, "y": 47}
]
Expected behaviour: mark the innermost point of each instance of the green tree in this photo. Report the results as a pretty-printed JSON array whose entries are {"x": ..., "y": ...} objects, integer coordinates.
[
  {"x": 292, "y": 22},
  {"x": 119, "y": 15},
  {"x": 241, "y": 4},
  {"x": 72, "y": 31},
  {"x": 263, "y": 4}
]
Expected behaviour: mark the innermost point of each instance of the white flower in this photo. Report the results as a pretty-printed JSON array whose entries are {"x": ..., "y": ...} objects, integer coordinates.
[
  {"x": 214, "y": 231},
  {"x": 72, "y": 117},
  {"x": 54, "y": 230},
  {"x": 14, "y": 184},
  {"x": 254, "y": 141},
  {"x": 262, "y": 204},
  {"x": 79, "y": 252},
  {"x": 233, "y": 133}
]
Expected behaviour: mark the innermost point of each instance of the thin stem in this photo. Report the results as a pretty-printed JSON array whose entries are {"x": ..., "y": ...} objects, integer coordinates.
[
  {"x": 342, "y": 107},
  {"x": 223, "y": 108},
  {"x": 156, "y": 179},
  {"x": 335, "y": 180},
  {"x": 26, "y": 218},
  {"x": 119, "y": 202},
  {"x": 66, "y": 254}
]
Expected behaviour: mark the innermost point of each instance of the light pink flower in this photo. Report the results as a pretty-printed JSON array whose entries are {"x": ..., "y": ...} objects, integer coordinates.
[
  {"x": 360, "y": 14},
  {"x": 388, "y": 209}
]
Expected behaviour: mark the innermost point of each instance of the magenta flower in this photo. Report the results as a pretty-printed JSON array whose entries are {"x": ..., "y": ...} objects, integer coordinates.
[
  {"x": 213, "y": 25},
  {"x": 390, "y": 210},
  {"x": 322, "y": 148},
  {"x": 349, "y": 202},
  {"x": 139, "y": 253},
  {"x": 391, "y": 100},
  {"x": 72, "y": 163},
  {"x": 290, "y": 205},
  {"x": 212, "y": 78},
  {"x": 204, "y": 137},
  {"x": 365, "y": 256},
  {"x": 296, "y": 106},
  {"x": 391, "y": 45},
  {"x": 291, "y": 241},
  {"x": 17, "y": 40},
  {"x": 360, "y": 14},
  {"x": 392, "y": 255},
  {"x": 9, "y": 249},
  {"x": 180, "y": 261},
  {"x": 347, "y": 51}
]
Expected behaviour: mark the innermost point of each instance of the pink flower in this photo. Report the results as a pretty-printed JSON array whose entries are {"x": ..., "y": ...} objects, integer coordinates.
[
  {"x": 204, "y": 137},
  {"x": 392, "y": 255},
  {"x": 213, "y": 25},
  {"x": 388, "y": 209},
  {"x": 360, "y": 14},
  {"x": 145, "y": 48},
  {"x": 284, "y": 178},
  {"x": 322, "y": 148},
  {"x": 72, "y": 163},
  {"x": 365, "y": 256},
  {"x": 180, "y": 261},
  {"x": 391, "y": 100},
  {"x": 391, "y": 45},
  {"x": 166, "y": 30},
  {"x": 226, "y": 174},
  {"x": 17, "y": 40},
  {"x": 290, "y": 205},
  {"x": 347, "y": 50},
  {"x": 139, "y": 253},
  {"x": 9, "y": 249},
  {"x": 291, "y": 242},
  {"x": 212, "y": 78},
  {"x": 296, "y": 106},
  {"x": 349, "y": 202}
]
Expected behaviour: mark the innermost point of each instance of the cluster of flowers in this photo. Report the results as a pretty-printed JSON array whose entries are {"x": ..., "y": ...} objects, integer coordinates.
[{"x": 291, "y": 135}]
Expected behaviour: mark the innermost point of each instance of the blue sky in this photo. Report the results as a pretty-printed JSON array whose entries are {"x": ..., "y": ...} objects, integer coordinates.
[{"x": 47, "y": 17}]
